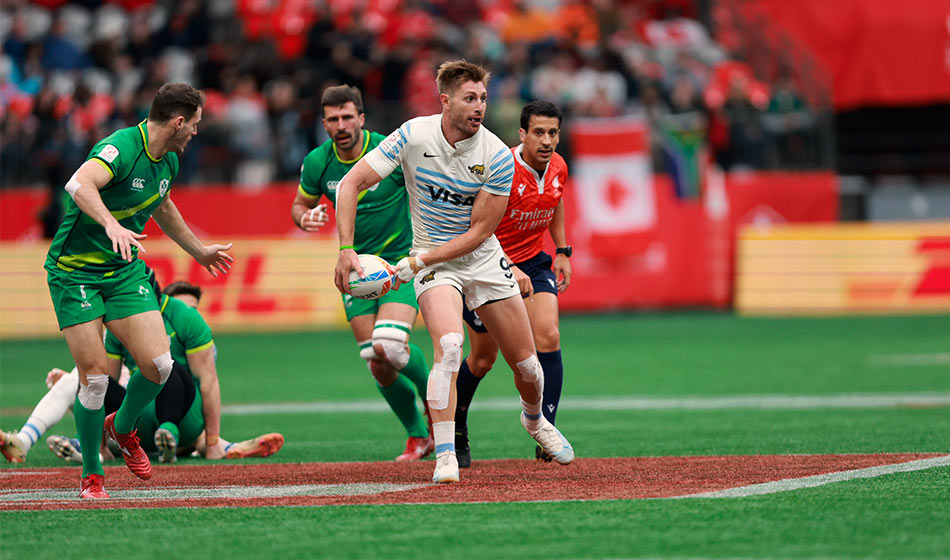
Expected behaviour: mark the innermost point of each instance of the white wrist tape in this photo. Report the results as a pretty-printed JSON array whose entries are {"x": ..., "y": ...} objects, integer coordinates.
[
  {"x": 404, "y": 270},
  {"x": 72, "y": 185}
]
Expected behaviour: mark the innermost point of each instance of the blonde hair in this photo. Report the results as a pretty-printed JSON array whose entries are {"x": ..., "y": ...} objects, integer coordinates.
[{"x": 454, "y": 73}]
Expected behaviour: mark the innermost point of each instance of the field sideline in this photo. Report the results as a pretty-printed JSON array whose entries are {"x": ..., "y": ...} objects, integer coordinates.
[{"x": 651, "y": 401}]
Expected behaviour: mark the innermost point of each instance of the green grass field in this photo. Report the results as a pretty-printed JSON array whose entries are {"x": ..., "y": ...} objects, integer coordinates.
[{"x": 613, "y": 365}]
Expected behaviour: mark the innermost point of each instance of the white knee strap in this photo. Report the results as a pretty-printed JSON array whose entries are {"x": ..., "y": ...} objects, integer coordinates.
[
  {"x": 439, "y": 387},
  {"x": 531, "y": 372},
  {"x": 452, "y": 350},
  {"x": 93, "y": 395},
  {"x": 164, "y": 364},
  {"x": 393, "y": 336}
]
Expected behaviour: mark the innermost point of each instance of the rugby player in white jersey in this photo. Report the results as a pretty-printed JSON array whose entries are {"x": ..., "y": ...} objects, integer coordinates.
[{"x": 458, "y": 176}]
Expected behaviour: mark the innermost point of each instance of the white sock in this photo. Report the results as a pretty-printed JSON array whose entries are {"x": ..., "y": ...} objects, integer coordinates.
[
  {"x": 51, "y": 409},
  {"x": 532, "y": 412},
  {"x": 444, "y": 433}
]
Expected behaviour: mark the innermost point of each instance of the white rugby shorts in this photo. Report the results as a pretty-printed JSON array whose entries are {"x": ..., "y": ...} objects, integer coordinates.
[{"x": 481, "y": 276}]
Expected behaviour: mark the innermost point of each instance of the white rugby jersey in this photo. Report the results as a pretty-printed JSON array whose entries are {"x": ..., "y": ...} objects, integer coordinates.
[{"x": 442, "y": 181}]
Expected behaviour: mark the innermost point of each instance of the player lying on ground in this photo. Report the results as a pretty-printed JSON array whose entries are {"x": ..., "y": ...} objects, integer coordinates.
[
  {"x": 177, "y": 417},
  {"x": 58, "y": 402}
]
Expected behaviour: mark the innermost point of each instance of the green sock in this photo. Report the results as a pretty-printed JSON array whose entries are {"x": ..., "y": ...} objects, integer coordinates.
[
  {"x": 89, "y": 431},
  {"x": 138, "y": 394},
  {"x": 171, "y": 428},
  {"x": 402, "y": 400},
  {"x": 417, "y": 370}
]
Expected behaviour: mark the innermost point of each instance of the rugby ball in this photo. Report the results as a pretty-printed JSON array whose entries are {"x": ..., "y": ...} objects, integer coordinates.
[{"x": 379, "y": 278}]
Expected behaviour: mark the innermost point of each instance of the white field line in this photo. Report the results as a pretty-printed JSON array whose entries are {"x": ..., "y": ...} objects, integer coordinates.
[
  {"x": 898, "y": 360},
  {"x": 193, "y": 492},
  {"x": 754, "y": 402},
  {"x": 790, "y": 484}
]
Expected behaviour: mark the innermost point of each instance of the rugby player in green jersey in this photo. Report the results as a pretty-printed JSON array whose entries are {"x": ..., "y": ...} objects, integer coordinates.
[
  {"x": 381, "y": 326},
  {"x": 95, "y": 277}
]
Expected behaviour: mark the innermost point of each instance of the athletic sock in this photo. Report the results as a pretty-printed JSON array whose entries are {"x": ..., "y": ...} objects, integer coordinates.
[
  {"x": 465, "y": 387},
  {"x": 553, "y": 379},
  {"x": 89, "y": 431},
  {"x": 417, "y": 370},
  {"x": 444, "y": 433},
  {"x": 532, "y": 413},
  {"x": 138, "y": 394},
  {"x": 171, "y": 428},
  {"x": 50, "y": 410},
  {"x": 402, "y": 399}
]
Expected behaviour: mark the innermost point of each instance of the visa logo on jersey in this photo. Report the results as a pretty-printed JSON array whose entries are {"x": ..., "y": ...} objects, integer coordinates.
[{"x": 450, "y": 197}]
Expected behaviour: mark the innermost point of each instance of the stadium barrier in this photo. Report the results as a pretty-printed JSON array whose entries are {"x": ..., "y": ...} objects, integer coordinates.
[
  {"x": 636, "y": 244},
  {"x": 844, "y": 268}
]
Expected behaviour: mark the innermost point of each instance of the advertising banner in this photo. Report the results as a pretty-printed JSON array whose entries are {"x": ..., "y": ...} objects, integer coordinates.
[
  {"x": 283, "y": 284},
  {"x": 844, "y": 268}
]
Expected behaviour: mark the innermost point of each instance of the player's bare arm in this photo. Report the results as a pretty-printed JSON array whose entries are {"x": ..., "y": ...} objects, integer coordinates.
[
  {"x": 203, "y": 367},
  {"x": 307, "y": 214},
  {"x": 213, "y": 257},
  {"x": 84, "y": 185},
  {"x": 357, "y": 180},
  {"x": 562, "y": 265}
]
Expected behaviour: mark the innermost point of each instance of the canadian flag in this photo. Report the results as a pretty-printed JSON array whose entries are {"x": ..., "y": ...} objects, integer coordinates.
[{"x": 616, "y": 209}]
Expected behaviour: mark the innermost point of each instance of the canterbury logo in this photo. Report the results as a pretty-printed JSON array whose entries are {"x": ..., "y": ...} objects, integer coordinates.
[
  {"x": 138, "y": 184},
  {"x": 477, "y": 169},
  {"x": 427, "y": 277}
]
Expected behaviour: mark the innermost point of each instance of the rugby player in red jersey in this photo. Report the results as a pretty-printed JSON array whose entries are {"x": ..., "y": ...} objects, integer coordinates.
[{"x": 534, "y": 206}]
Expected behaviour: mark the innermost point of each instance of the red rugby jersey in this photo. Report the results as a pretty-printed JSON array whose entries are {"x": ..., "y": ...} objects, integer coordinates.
[{"x": 531, "y": 206}]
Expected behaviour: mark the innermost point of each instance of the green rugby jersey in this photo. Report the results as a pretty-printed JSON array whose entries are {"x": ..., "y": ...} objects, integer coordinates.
[
  {"x": 186, "y": 328},
  {"x": 139, "y": 184},
  {"x": 382, "y": 214}
]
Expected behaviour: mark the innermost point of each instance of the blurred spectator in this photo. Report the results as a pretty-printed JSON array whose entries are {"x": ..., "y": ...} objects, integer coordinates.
[
  {"x": 599, "y": 91},
  {"x": 746, "y": 135},
  {"x": 788, "y": 122},
  {"x": 683, "y": 133},
  {"x": 577, "y": 22},
  {"x": 59, "y": 50},
  {"x": 553, "y": 80},
  {"x": 526, "y": 24},
  {"x": 287, "y": 138},
  {"x": 249, "y": 137}
]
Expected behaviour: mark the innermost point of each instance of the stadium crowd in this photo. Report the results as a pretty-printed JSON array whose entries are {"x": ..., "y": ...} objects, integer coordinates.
[{"x": 71, "y": 73}]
